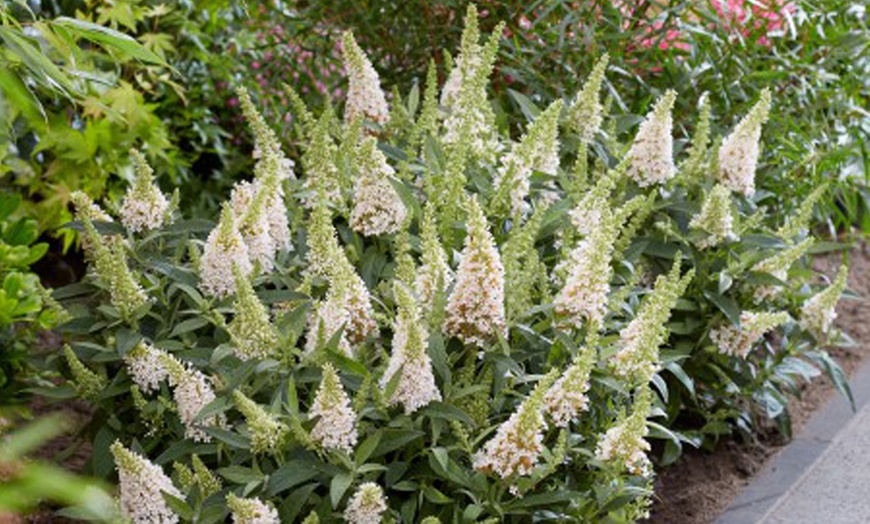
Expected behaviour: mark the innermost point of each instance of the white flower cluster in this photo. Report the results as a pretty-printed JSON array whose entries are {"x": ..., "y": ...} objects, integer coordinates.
[
  {"x": 224, "y": 249},
  {"x": 819, "y": 312},
  {"x": 619, "y": 445},
  {"x": 365, "y": 99},
  {"x": 251, "y": 332},
  {"x": 144, "y": 207},
  {"x": 778, "y": 266},
  {"x": 586, "y": 215},
  {"x": 192, "y": 392},
  {"x": 538, "y": 150},
  {"x": 566, "y": 399},
  {"x": 435, "y": 275},
  {"x": 471, "y": 118},
  {"x": 336, "y": 424},
  {"x": 585, "y": 115},
  {"x": 738, "y": 156},
  {"x": 378, "y": 209},
  {"x": 366, "y": 505},
  {"x": 638, "y": 357},
  {"x": 518, "y": 442},
  {"x": 475, "y": 309},
  {"x": 625, "y": 443},
  {"x": 256, "y": 231},
  {"x": 651, "y": 157},
  {"x": 145, "y": 366},
  {"x": 329, "y": 316},
  {"x": 584, "y": 295},
  {"x": 738, "y": 340},
  {"x": 715, "y": 218},
  {"x": 416, "y": 384},
  {"x": 267, "y": 432},
  {"x": 514, "y": 450},
  {"x": 141, "y": 488},
  {"x": 251, "y": 511}
]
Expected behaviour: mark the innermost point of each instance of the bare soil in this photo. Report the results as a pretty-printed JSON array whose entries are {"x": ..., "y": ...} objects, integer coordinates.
[{"x": 698, "y": 488}]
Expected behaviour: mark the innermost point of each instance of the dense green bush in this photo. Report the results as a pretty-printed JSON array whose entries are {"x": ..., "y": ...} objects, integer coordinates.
[
  {"x": 82, "y": 84},
  {"x": 438, "y": 322},
  {"x": 25, "y": 306}
]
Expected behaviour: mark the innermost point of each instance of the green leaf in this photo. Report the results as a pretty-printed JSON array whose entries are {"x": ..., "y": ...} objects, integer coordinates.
[
  {"x": 240, "y": 474},
  {"x": 725, "y": 304},
  {"x": 440, "y": 410},
  {"x": 21, "y": 98},
  {"x": 215, "y": 407},
  {"x": 289, "y": 475},
  {"x": 109, "y": 37},
  {"x": 543, "y": 499},
  {"x": 37, "y": 62},
  {"x": 529, "y": 109},
  {"x": 365, "y": 450},
  {"x": 191, "y": 324},
  {"x": 179, "y": 506},
  {"x": 338, "y": 487},
  {"x": 234, "y": 440}
]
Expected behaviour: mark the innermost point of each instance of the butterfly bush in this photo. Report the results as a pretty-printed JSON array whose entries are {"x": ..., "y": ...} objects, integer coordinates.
[{"x": 436, "y": 319}]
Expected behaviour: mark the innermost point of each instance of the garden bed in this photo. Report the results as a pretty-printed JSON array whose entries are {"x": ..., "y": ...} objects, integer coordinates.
[{"x": 701, "y": 485}]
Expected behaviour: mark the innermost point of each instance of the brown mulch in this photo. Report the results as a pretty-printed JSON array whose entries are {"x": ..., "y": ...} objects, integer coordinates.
[{"x": 698, "y": 488}]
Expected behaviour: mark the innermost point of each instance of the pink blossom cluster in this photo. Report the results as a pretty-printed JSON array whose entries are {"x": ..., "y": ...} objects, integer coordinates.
[{"x": 761, "y": 18}]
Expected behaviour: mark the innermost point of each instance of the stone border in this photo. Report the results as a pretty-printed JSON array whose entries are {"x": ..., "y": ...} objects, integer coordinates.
[{"x": 787, "y": 468}]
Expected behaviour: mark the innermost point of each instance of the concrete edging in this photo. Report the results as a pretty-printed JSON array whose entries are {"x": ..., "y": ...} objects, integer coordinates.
[{"x": 788, "y": 467}]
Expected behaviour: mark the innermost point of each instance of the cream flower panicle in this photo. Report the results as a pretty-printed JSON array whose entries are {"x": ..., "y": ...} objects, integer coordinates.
[
  {"x": 267, "y": 433},
  {"x": 192, "y": 392},
  {"x": 366, "y": 505},
  {"x": 141, "y": 487},
  {"x": 651, "y": 154},
  {"x": 624, "y": 445},
  {"x": 537, "y": 150},
  {"x": 88, "y": 383},
  {"x": 819, "y": 312},
  {"x": 145, "y": 366},
  {"x": 587, "y": 271},
  {"x": 518, "y": 442},
  {"x": 322, "y": 176},
  {"x": 251, "y": 332},
  {"x": 585, "y": 114},
  {"x": 715, "y": 218},
  {"x": 434, "y": 276},
  {"x": 335, "y": 428},
  {"x": 251, "y": 511},
  {"x": 588, "y": 213},
  {"x": 738, "y": 340},
  {"x": 467, "y": 62},
  {"x": 416, "y": 382},
  {"x": 378, "y": 209},
  {"x": 249, "y": 208},
  {"x": 144, "y": 207},
  {"x": 471, "y": 116},
  {"x": 799, "y": 222},
  {"x": 347, "y": 290},
  {"x": 110, "y": 265},
  {"x": 475, "y": 309},
  {"x": 263, "y": 222},
  {"x": 330, "y": 315},
  {"x": 566, "y": 399},
  {"x": 778, "y": 266},
  {"x": 637, "y": 359},
  {"x": 365, "y": 98},
  {"x": 738, "y": 156},
  {"x": 224, "y": 248}
]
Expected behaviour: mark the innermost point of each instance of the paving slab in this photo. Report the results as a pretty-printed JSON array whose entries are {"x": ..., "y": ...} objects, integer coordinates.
[{"x": 823, "y": 475}]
